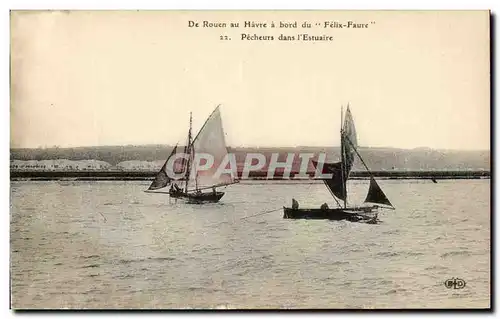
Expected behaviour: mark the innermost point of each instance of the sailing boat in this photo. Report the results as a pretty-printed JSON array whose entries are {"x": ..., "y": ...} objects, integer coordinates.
[
  {"x": 337, "y": 185},
  {"x": 209, "y": 140}
]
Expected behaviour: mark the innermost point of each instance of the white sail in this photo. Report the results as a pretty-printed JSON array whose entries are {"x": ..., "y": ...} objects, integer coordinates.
[{"x": 210, "y": 140}]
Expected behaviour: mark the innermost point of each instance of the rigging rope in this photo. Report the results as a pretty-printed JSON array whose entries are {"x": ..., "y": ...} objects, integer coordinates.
[
  {"x": 265, "y": 212},
  {"x": 258, "y": 214},
  {"x": 105, "y": 219}
]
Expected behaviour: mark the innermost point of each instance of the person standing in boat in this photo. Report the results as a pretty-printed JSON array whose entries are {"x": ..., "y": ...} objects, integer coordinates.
[{"x": 174, "y": 188}]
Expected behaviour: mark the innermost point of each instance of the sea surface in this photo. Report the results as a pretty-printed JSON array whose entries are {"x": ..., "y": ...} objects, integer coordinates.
[{"x": 112, "y": 245}]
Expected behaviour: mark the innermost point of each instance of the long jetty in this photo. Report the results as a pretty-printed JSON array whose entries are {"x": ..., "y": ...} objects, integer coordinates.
[{"x": 94, "y": 175}]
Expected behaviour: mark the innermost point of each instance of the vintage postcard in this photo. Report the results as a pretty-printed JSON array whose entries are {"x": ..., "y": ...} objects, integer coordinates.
[{"x": 250, "y": 160}]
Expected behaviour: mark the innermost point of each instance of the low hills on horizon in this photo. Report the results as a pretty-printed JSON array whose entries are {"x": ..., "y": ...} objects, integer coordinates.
[{"x": 377, "y": 158}]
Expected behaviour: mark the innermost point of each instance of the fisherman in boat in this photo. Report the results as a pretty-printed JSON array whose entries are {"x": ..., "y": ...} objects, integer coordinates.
[
  {"x": 175, "y": 189},
  {"x": 324, "y": 206},
  {"x": 295, "y": 204},
  {"x": 214, "y": 191}
]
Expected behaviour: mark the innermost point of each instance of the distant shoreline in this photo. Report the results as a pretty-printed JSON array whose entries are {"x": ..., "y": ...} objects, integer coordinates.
[{"x": 149, "y": 175}]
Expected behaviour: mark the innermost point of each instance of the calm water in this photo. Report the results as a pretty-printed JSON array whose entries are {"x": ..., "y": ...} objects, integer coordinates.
[{"x": 110, "y": 245}]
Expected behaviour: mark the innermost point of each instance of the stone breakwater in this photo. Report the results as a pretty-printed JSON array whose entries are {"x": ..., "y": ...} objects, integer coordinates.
[{"x": 258, "y": 175}]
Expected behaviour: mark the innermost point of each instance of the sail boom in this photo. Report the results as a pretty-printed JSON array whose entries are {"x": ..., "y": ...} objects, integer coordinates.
[
  {"x": 213, "y": 186},
  {"x": 387, "y": 207},
  {"x": 156, "y": 192}
]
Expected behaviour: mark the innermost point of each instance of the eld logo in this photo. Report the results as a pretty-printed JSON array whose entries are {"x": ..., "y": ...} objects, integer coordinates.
[{"x": 455, "y": 283}]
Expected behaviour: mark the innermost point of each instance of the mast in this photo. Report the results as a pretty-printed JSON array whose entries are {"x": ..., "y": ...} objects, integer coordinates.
[
  {"x": 196, "y": 181},
  {"x": 188, "y": 151},
  {"x": 191, "y": 148},
  {"x": 196, "y": 173},
  {"x": 342, "y": 155}
]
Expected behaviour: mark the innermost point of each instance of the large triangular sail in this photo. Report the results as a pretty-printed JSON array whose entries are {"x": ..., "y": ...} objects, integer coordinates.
[
  {"x": 349, "y": 143},
  {"x": 336, "y": 184},
  {"x": 376, "y": 195},
  {"x": 211, "y": 141},
  {"x": 162, "y": 179}
]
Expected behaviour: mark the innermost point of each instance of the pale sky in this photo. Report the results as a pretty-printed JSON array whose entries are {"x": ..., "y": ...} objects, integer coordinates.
[{"x": 413, "y": 79}]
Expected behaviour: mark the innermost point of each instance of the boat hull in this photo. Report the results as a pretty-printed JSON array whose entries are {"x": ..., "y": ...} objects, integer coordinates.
[
  {"x": 176, "y": 194},
  {"x": 198, "y": 198},
  {"x": 201, "y": 198},
  {"x": 349, "y": 214}
]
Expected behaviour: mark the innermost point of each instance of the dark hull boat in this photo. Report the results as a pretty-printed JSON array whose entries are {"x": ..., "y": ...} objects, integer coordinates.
[
  {"x": 348, "y": 214},
  {"x": 197, "y": 197},
  {"x": 204, "y": 197},
  {"x": 336, "y": 183},
  {"x": 210, "y": 139}
]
